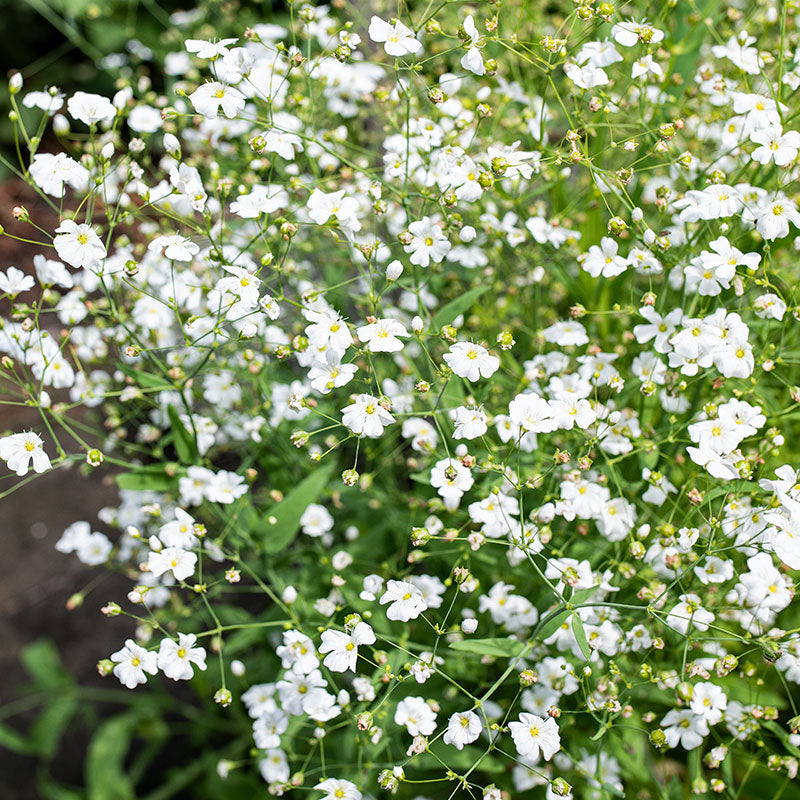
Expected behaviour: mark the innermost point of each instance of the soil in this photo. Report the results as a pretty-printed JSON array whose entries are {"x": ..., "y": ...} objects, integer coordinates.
[{"x": 36, "y": 581}]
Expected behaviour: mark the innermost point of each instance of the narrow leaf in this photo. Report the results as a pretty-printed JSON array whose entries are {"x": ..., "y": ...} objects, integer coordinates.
[
  {"x": 580, "y": 636},
  {"x": 150, "y": 478},
  {"x": 280, "y": 533},
  {"x": 105, "y": 760},
  {"x": 499, "y": 648},
  {"x": 448, "y": 312},
  {"x": 184, "y": 441}
]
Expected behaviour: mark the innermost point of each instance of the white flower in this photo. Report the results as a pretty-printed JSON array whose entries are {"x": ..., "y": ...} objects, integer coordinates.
[
  {"x": 260, "y": 200},
  {"x": 21, "y": 449},
  {"x": 274, "y": 767},
  {"x": 586, "y": 77},
  {"x": 225, "y": 487},
  {"x": 338, "y": 789},
  {"x": 775, "y": 145},
  {"x": 175, "y": 659},
  {"x": 708, "y": 702},
  {"x": 330, "y": 373},
  {"x": 685, "y": 728},
  {"x": 773, "y": 217},
  {"x": 463, "y": 727},
  {"x": 406, "y": 601},
  {"x": 208, "y": 50},
  {"x": 417, "y": 716},
  {"x": 470, "y": 423},
  {"x": 180, "y": 562},
  {"x": 452, "y": 479},
  {"x": 566, "y": 333},
  {"x": 689, "y": 612},
  {"x": 629, "y": 32},
  {"x": 342, "y": 648},
  {"x": 316, "y": 520},
  {"x": 428, "y": 243},
  {"x": 381, "y": 335},
  {"x": 13, "y": 281},
  {"x": 91, "y": 108},
  {"x": 79, "y": 245},
  {"x": 472, "y": 60},
  {"x": 603, "y": 259},
  {"x": 769, "y": 306},
  {"x": 94, "y": 549},
  {"x": 532, "y": 413},
  {"x": 51, "y": 272},
  {"x": 174, "y": 247},
  {"x": 398, "y": 39},
  {"x": 471, "y": 361},
  {"x": 366, "y": 416},
  {"x": 44, "y": 101},
  {"x": 213, "y": 97},
  {"x": 132, "y": 662},
  {"x": 324, "y": 205},
  {"x": 51, "y": 173},
  {"x": 179, "y": 532},
  {"x": 644, "y": 65},
  {"x": 534, "y": 736}
]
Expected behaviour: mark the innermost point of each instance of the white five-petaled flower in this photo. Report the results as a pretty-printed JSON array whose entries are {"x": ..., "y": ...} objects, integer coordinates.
[
  {"x": 13, "y": 281},
  {"x": 175, "y": 659},
  {"x": 79, "y": 245},
  {"x": 463, "y": 727},
  {"x": 469, "y": 422},
  {"x": 709, "y": 702},
  {"x": 21, "y": 449},
  {"x": 685, "y": 728},
  {"x": 534, "y": 736},
  {"x": 471, "y": 361},
  {"x": 338, "y": 789},
  {"x": 406, "y": 601},
  {"x": 397, "y": 38},
  {"x": 428, "y": 243},
  {"x": 174, "y": 247},
  {"x": 324, "y": 205},
  {"x": 382, "y": 335},
  {"x": 208, "y": 50},
  {"x": 472, "y": 60},
  {"x": 132, "y": 662},
  {"x": 91, "y": 108},
  {"x": 416, "y": 715},
  {"x": 366, "y": 416},
  {"x": 342, "y": 648},
  {"x": 213, "y": 97},
  {"x": 180, "y": 562},
  {"x": 775, "y": 145}
]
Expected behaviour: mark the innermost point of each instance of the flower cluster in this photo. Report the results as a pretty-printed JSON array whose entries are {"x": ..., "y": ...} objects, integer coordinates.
[{"x": 446, "y": 366}]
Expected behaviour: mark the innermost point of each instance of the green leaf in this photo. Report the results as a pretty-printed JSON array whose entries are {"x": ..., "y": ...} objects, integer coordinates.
[
  {"x": 105, "y": 760},
  {"x": 552, "y": 625},
  {"x": 43, "y": 664},
  {"x": 582, "y": 595},
  {"x": 279, "y": 534},
  {"x": 499, "y": 648},
  {"x": 145, "y": 379},
  {"x": 448, "y": 312},
  {"x": 15, "y": 741},
  {"x": 580, "y": 636},
  {"x": 184, "y": 441},
  {"x": 783, "y": 736},
  {"x": 51, "y": 724},
  {"x": 50, "y": 790},
  {"x": 150, "y": 478}
]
